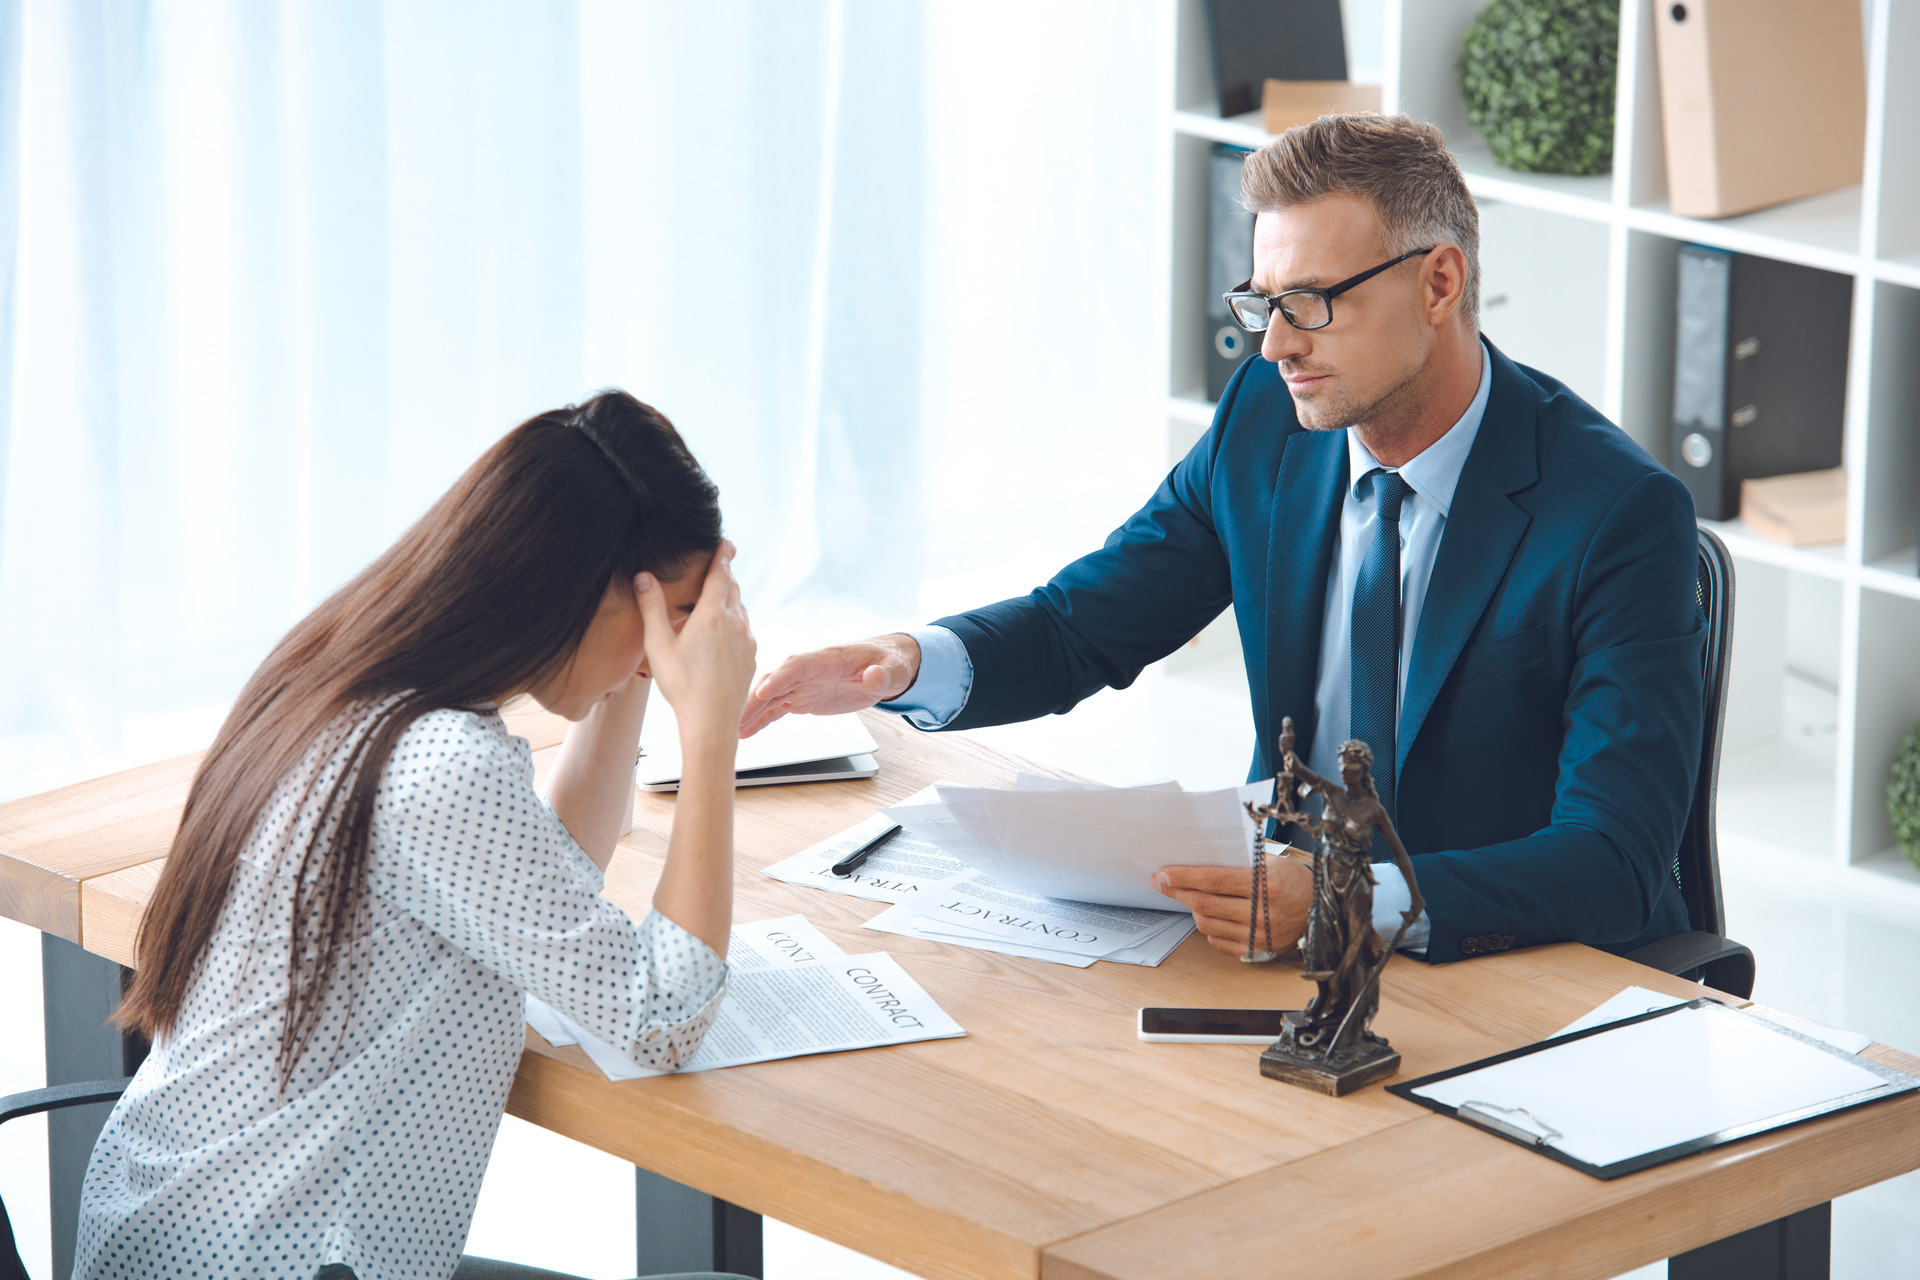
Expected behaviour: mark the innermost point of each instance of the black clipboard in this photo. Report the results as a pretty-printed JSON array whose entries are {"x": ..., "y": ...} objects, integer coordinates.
[{"x": 1527, "y": 1131}]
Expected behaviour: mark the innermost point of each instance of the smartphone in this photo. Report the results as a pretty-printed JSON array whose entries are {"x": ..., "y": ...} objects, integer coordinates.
[{"x": 1210, "y": 1026}]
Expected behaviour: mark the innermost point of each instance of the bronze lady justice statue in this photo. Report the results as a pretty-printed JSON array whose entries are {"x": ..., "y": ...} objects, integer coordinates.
[{"x": 1330, "y": 1045}]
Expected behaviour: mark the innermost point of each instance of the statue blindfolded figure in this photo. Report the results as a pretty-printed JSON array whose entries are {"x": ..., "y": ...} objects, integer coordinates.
[{"x": 1330, "y": 1044}]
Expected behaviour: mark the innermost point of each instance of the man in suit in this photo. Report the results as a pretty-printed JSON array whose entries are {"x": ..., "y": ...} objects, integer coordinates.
[{"x": 1428, "y": 547}]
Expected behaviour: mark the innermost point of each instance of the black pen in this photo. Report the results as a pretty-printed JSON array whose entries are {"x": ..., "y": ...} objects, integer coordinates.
[{"x": 851, "y": 863}]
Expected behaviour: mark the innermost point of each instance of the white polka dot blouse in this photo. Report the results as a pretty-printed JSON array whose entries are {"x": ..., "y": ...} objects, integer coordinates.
[{"x": 373, "y": 1155}]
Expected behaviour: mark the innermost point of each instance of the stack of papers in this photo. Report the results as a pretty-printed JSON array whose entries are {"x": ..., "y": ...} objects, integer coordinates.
[
  {"x": 791, "y": 749},
  {"x": 791, "y": 992},
  {"x": 1049, "y": 870},
  {"x": 1084, "y": 841}
]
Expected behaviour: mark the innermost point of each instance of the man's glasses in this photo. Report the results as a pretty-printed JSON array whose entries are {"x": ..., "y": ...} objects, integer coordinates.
[{"x": 1303, "y": 308}]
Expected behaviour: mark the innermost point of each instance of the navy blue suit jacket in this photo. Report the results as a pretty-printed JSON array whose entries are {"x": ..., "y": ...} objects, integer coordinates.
[{"x": 1551, "y": 722}]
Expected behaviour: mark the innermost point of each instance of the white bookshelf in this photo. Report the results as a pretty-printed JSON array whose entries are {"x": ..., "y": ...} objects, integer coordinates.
[{"x": 1827, "y": 652}]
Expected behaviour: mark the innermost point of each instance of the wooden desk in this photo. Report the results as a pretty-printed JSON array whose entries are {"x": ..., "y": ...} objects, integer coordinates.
[{"x": 1050, "y": 1142}]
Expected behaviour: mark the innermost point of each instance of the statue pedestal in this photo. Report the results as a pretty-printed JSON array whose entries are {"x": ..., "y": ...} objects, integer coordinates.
[{"x": 1354, "y": 1067}]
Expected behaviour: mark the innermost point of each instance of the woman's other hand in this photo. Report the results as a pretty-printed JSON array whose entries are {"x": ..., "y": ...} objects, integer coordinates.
[{"x": 704, "y": 664}]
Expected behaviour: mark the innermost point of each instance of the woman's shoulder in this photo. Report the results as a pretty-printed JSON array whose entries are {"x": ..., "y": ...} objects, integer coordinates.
[{"x": 455, "y": 742}]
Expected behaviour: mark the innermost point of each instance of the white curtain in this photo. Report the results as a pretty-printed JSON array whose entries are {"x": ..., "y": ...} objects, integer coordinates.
[{"x": 273, "y": 272}]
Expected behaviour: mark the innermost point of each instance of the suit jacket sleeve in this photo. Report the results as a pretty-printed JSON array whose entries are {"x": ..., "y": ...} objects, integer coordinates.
[
  {"x": 1601, "y": 872},
  {"x": 1159, "y": 579}
]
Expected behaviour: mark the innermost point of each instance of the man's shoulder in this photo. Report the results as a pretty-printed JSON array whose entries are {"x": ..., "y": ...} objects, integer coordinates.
[{"x": 1583, "y": 456}]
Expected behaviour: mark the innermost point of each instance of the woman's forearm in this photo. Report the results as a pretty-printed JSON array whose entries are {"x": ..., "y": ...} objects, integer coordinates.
[
  {"x": 696, "y": 888},
  {"x": 593, "y": 776}
]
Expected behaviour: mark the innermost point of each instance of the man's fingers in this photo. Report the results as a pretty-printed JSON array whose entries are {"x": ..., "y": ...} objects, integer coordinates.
[
  {"x": 760, "y": 717},
  {"x": 1237, "y": 910},
  {"x": 1218, "y": 927},
  {"x": 1228, "y": 881}
]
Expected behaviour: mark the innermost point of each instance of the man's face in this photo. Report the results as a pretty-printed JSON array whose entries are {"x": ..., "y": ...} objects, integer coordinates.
[{"x": 1339, "y": 376}]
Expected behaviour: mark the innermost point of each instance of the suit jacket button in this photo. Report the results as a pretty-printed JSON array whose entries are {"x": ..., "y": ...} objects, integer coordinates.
[
  {"x": 1506, "y": 941},
  {"x": 1469, "y": 945}
]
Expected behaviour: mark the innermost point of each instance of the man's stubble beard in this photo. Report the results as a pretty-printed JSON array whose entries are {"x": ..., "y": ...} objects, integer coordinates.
[{"x": 1336, "y": 413}]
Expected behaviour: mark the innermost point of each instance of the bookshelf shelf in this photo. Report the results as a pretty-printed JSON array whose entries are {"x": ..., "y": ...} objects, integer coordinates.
[
  {"x": 1602, "y": 319},
  {"x": 1590, "y": 198},
  {"x": 1903, "y": 270},
  {"x": 1822, "y": 562},
  {"x": 1820, "y": 231},
  {"x": 1896, "y": 575},
  {"x": 1236, "y": 131}
]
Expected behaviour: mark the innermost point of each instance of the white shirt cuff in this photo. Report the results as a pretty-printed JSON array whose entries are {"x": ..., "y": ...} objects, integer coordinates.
[
  {"x": 1391, "y": 899},
  {"x": 939, "y": 692}
]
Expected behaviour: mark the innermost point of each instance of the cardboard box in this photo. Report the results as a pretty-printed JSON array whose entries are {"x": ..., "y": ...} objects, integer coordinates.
[
  {"x": 1763, "y": 101},
  {"x": 1286, "y": 103},
  {"x": 1804, "y": 510}
]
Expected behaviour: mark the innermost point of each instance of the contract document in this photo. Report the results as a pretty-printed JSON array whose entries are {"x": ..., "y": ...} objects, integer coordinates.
[
  {"x": 927, "y": 871},
  {"x": 1148, "y": 950},
  {"x": 1084, "y": 841},
  {"x": 903, "y": 869},
  {"x": 790, "y": 992}
]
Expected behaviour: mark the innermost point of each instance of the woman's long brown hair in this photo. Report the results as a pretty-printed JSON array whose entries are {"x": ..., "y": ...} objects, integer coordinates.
[{"x": 488, "y": 593}]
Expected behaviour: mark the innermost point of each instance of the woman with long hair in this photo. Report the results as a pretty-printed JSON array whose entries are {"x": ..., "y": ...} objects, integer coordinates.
[{"x": 365, "y": 884}]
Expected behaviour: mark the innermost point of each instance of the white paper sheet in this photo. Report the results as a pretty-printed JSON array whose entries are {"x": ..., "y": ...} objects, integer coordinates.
[
  {"x": 904, "y": 869},
  {"x": 1638, "y": 1000},
  {"x": 981, "y": 905},
  {"x": 788, "y": 740},
  {"x": 1630, "y": 1003},
  {"x": 1656, "y": 1084},
  {"x": 901, "y": 921},
  {"x": 791, "y": 992},
  {"x": 1084, "y": 842},
  {"x": 1149, "y": 951},
  {"x": 1845, "y": 1041},
  {"x": 913, "y": 871}
]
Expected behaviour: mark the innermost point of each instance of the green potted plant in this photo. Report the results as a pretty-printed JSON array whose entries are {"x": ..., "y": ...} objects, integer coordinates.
[
  {"x": 1537, "y": 78},
  {"x": 1903, "y": 794}
]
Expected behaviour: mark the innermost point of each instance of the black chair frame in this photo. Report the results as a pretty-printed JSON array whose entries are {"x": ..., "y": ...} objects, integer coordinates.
[{"x": 1704, "y": 953}]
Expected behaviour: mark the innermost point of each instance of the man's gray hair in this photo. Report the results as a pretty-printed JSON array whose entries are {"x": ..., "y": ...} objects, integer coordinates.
[{"x": 1397, "y": 164}]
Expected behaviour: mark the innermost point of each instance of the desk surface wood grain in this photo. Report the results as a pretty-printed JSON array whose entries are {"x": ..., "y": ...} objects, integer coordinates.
[{"x": 1050, "y": 1141}]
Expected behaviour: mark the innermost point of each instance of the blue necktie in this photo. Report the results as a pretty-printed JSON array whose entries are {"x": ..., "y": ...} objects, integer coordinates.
[{"x": 1376, "y": 641}]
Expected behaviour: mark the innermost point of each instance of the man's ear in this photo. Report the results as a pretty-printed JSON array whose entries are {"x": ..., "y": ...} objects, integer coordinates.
[{"x": 1443, "y": 282}]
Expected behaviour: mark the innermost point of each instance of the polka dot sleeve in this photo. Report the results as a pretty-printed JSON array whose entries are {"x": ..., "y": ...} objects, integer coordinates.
[{"x": 465, "y": 844}]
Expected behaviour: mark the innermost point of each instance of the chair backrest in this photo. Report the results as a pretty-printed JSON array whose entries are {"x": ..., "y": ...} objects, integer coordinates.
[{"x": 1696, "y": 866}]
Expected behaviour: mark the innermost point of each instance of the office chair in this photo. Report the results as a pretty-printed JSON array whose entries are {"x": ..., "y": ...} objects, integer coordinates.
[
  {"x": 56, "y": 1097},
  {"x": 1706, "y": 954}
]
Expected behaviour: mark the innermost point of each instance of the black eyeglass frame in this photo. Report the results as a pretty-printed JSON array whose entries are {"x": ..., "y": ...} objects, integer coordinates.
[{"x": 1278, "y": 301}]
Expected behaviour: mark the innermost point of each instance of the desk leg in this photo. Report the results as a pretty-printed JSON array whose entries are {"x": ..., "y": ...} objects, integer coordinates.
[
  {"x": 81, "y": 991},
  {"x": 1796, "y": 1247},
  {"x": 681, "y": 1229}
]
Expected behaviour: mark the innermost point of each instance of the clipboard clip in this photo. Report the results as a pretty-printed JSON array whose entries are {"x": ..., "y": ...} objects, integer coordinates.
[{"x": 1535, "y": 1133}]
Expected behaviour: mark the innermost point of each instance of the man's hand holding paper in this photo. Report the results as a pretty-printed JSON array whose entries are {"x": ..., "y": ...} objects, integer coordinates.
[{"x": 1221, "y": 900}]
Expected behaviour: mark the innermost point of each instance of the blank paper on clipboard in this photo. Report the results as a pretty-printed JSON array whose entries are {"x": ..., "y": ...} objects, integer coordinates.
[{"x": 1654, "y": 1088}]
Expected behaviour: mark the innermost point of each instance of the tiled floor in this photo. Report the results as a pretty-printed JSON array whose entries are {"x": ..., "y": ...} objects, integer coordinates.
[{"x": 1848, "y": 958}]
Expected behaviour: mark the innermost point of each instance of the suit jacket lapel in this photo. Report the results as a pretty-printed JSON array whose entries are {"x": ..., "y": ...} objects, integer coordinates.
[
  {"x": 1484, "y": 527},
  {"x": 1305, "y": 526}
]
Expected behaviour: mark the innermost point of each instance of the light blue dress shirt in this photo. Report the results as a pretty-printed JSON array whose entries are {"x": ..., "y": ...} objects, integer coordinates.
[{"x": 939, "y": 692}]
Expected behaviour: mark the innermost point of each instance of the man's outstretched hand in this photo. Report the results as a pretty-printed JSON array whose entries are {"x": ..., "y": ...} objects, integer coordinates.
[
  {"x": 1221, "y": 899},
  {"x": 827, "y": 682}
]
